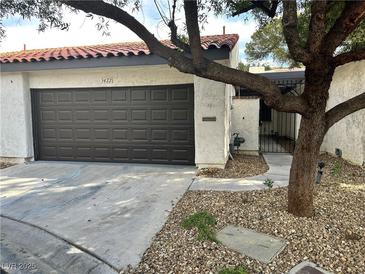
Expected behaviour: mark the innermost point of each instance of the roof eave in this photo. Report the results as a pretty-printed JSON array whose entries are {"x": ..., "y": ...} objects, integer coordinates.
[{"x": 119, "y": 61}]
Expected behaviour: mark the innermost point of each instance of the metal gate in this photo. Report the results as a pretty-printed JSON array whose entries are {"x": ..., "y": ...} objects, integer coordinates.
[{"x": 278, "y": 130}]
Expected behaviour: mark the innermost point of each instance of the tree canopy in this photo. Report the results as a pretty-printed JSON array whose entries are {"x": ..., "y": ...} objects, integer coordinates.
[{"x": 268, "y": 40}]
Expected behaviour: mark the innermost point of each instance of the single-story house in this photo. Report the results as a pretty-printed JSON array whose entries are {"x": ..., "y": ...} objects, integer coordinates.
[{"x": 121, "y": 103}]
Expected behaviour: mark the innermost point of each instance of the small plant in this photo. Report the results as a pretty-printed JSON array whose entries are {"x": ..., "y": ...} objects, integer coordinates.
[
  {"x": 204, "y": 222},
  {"x": 269, "y": 183},
  {"x": 233, "y": 270},
  {"x": 337, "y": 169}
]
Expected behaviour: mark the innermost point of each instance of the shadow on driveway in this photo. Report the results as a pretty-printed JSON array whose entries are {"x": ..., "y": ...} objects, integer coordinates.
[{"x": 111, "y": 211}]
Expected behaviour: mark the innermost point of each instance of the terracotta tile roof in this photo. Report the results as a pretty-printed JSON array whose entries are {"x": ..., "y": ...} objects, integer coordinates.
[{"x": 107, "y": 50}]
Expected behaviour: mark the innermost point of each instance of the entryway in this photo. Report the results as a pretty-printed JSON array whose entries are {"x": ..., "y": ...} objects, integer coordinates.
[{"x": 279, "y": 130}]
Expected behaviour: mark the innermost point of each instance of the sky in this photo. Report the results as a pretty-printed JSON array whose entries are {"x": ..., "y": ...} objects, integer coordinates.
[{"x": 83, "y": 30}]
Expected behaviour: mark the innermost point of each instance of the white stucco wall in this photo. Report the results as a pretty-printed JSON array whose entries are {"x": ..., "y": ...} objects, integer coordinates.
[
  {"x": 15, "y": 117},
  {"x": 234, "y": 57},
  {"x": 349, "y": 133},
  {"x": 245, "y": 121},
  {"x": 109, "y": 77},
  {"x": 214, "y": 99},
  {"x": 210, "y": 136}
]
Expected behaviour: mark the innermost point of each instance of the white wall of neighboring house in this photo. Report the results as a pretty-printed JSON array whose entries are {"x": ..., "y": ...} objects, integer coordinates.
[
  {"x": 349, "y": 133},
  {"x": 245, "y": 121}
]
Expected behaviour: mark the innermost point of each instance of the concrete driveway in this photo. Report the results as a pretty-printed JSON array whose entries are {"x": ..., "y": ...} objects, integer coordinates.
[{"x": 84, "y": 217}]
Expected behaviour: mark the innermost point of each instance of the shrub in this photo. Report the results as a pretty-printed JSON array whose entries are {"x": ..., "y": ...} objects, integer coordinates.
[
  {"x": 269, "y": 183},
  {"x": 337, "y": 169}
]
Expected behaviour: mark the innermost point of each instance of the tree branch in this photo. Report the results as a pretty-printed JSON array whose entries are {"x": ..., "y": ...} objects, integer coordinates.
[
  {"x": 340, "y": 111},
  {"x": 192, "y": 25},
  {"x": 317, "y": 26},
  {"x": 173, "y": 29},
  {"x": 351, "y": 16},
  {"x": 291, "y": 34},
  {"x": 351, "y": 56},
  {"x": 269, "y": 11},
  {"x": 214, "y": 71}
]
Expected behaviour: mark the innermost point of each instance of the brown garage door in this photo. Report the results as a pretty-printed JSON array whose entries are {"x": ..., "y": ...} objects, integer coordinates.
[{"x": 127, "y": 124}]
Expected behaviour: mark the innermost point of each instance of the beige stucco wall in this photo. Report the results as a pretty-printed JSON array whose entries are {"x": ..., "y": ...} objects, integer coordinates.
[
  {"x": 349, "y": 133},
  {"x": 245, "y": 121},
  {"x": 15, "y": 116}
]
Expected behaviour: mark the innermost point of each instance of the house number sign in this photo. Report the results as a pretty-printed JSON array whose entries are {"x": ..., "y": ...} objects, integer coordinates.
[{"x": 107, "y": 80}]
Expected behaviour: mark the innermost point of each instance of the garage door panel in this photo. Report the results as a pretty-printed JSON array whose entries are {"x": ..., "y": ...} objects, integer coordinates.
[
  {"x": 82, "y": 97},
  {"x": 83, "y": 134},
  {"x": 102, "y": 134},
  {"x": 119, "y": 115},
  {"x": 66, "y": 152},
  {"x": 47, "y": 98},
  {"x": 140, "y": 154},
  {"x": 119, "y": 135},
  {"x": 139, "y": 135},
  {"x": 64, "y": 97},
  {"x": 160, "y": 95},
  {"x": 142, "y": 124},
  {"x": 49, "y": 134},
  {"x": 48, "y": 116},
  {"x": 83, "y": 153},
  {"x": 140, "y": 95},
  {"x": 102, "y": 153},
  {"x": 65, "y": 115},
  {"x": 160, "y": 155},
  {"x": 65, "y": 134},
  {"x": 100, "y": 96},
  {"x": 82, "y": 116},
  {"x": 101, "y": 115},
  {"x": 48, "y": 152},
  {"x": 159, "y": 135},
  {"x": 119, "y": 96},
  {"x": 139, "y": 115},
  {"x": 120, "y": 154}
]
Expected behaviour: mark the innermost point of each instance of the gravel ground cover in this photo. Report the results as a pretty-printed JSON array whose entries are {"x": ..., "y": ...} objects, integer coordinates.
[
  {"x": 242, "y": 166},
  {"x": 5, "y": 165},
  {"x": 334, "y": 238}
]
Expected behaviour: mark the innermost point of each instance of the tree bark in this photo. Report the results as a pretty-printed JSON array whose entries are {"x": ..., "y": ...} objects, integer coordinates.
[
  {"x": 303, "y": 168},
  {"x": 311, "y": 133}
]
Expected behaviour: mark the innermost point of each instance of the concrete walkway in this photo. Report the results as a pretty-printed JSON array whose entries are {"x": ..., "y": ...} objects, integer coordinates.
[
  {"x": 279, "y": 168},
  {"x": 66, "y": 217}
]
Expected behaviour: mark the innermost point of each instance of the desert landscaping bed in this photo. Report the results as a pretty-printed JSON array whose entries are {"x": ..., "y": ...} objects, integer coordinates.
[
  {"x": 5, "y": 165},
  {"x": 242, "y": 166},
  {"x": 334, "y": 238}
]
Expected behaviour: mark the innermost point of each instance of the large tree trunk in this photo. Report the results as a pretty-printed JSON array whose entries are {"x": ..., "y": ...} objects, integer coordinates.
[
  {"x": 318, "y": 77},
  {"x": 304, "y": 165}
]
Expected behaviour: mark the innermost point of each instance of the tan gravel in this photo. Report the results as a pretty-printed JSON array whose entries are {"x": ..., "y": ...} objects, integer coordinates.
[
  {"x": 242, "y": 166},
  {"x": 334, "y": 238},
  {"x": 5, "y": 165}
]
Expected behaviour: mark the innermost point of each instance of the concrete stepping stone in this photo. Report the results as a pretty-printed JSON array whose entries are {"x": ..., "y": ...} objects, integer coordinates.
[
  {"x": 307, "y": 268},
  {"x": 259, "y": 246}
]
